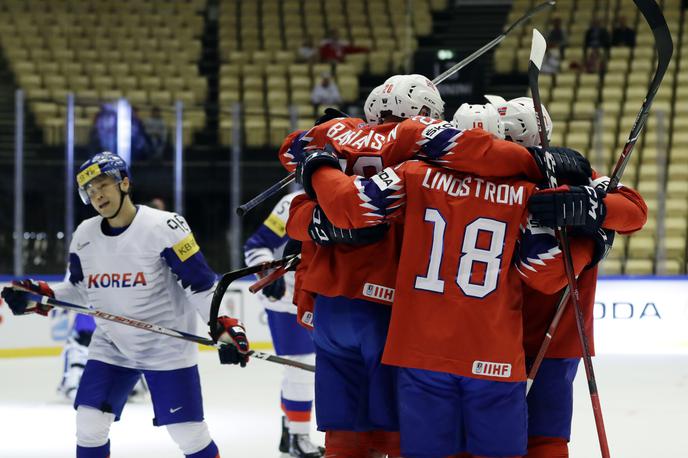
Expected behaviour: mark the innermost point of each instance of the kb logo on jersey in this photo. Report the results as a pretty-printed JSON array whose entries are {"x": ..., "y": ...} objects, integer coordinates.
[{"x": 117, "y": 280}]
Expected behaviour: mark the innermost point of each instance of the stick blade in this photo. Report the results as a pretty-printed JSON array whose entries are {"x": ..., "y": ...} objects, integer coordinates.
[{"x": 537, "y": 49}]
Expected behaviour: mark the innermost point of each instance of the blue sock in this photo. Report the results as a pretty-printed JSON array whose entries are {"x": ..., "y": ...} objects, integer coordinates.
[
  {"x": 93, "y": 452},
  {"x": 210, "y": 451}
]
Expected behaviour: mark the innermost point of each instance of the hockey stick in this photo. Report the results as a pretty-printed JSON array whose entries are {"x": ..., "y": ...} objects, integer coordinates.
[
  {"x": 665, "y": 48},
  {"x": 274, "y": 275},
  {"x": 537, "y": 54},
  {"x": 153, "y": 327},
  {"x": 664, "y": 44},
  {"x": 272, "y": 190},
  {"x": 263, "y": 196},
  {"x": 234, "y": 275},
  {"x": 479, "y": 52}
]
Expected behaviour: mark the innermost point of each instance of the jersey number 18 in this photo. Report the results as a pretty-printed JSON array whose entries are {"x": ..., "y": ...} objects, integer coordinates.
[{"x": 470, "y": 254}]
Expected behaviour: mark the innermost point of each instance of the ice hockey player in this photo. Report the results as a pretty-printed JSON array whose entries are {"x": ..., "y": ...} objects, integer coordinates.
[
  {"x": 455, "y": 331},
  {"x": 289, "y": 339},
  {"x": 142, "y": 263},
  {"x": 349, "y": 323},
  {"x": 550, "y": 400}
]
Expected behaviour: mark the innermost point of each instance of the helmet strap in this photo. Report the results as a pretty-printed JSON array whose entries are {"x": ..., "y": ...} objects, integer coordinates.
[{"x": 122, "y": 195}]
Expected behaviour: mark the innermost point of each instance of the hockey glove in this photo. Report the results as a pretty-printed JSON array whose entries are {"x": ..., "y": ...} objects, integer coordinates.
[
  {"x": 569, "y": 165},
  {"x": 580, "y": 207},
  {"x": 231, "y": 332},
  {"x": 324, "y": 233},
  {"x": 291, "y": 248},
  {"x": 275, "y": 290},
  {"x": 20, "y": 304},
  {"x": 604, "y": 239},
  {"x": 330, "y": 114},
  {"x": 310, "y": 163}
]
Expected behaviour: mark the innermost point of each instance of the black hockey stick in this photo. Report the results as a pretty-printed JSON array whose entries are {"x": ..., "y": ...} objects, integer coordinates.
[
  {"x": 234, "y": 275},
  {"x": 272, "y": 190},
  {"x": 664, "y": 45},
  {"x": 665, "y": 48},
  {"x": 537, "y": 54},
  {"x": 479, "y": 52},
  {"x": 30, "y": 295}
]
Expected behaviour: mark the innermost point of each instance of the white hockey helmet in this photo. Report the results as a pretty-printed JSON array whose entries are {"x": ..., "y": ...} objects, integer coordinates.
[
  {"x": 404, "y": 96},
  {"x": 520, "y": 120},
  {"x": 484, "y": 117}
]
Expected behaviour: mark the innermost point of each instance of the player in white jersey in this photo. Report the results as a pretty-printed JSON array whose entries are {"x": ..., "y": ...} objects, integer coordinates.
[
  {"x": 288, "y": 337},
  {"x": 145, "y": 264}
]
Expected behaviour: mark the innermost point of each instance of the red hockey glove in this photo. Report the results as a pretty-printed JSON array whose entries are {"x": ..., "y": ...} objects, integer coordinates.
[
  {"x": 231, "y": 332},
  {"x": 20, "y": 304}
]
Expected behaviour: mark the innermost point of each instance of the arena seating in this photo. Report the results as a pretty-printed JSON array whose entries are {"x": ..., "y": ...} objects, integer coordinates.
[
  {"x": 101, "y": 50},
  {"x": 594, "y": 113},
  {"x": 258, "y": 43}
]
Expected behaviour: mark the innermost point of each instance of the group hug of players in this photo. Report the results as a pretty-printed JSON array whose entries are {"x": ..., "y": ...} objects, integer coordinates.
[{"x": 429, "y": 274}]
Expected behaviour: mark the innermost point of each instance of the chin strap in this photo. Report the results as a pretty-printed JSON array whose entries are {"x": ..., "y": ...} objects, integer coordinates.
[{"x": 122, "y": 195}]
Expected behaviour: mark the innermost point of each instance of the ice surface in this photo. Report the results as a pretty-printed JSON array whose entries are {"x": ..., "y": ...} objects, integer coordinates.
[{"x": 644, "y": 399}]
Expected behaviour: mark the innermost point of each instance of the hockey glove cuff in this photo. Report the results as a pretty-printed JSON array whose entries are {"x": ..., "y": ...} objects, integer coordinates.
[
  {"x": 324, "y": 233},
  {"x": 604, "y": 239},
  {"x": 20, "y": 304},
  {"x": 311, "y": 163}
]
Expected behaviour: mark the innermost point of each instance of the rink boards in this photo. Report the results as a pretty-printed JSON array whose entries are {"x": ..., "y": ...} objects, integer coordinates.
[{"x": 633, "y": 315}]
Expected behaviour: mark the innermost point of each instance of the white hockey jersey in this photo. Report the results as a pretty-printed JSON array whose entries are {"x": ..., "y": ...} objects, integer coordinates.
[
  {"x": 154, "y": 271},
  {"x": 267, "y": 244}
]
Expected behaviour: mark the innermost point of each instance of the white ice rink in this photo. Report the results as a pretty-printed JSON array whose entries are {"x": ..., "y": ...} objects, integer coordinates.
[{"x": 644, "y": 398}]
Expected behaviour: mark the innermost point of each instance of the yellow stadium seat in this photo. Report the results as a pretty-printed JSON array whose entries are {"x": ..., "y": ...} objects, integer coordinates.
[
  {"x": 279, "y": 129},
  {"x": 161, "y": 98},
  {"x": 298, "y": 82},
  {"x": 255, "y": 132},
  {"x": 639, "y": 267},
  {"x": 348, "y": 88},
  {"x": 611, "y": 266}
]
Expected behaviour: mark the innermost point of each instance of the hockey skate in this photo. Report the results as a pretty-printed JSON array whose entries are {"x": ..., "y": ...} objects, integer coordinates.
[{"x": 298, "y": 445}]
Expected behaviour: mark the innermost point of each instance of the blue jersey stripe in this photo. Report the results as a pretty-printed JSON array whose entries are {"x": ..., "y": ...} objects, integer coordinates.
[{"x": 194, "y": 272}]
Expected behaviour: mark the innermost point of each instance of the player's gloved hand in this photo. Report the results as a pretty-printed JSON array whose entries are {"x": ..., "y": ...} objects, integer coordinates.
[
  {"x": 311, "y": 162},
  {"x": 604, "y": 239},
  {"x": 569, "y": 165},
  {"x": 324, "y": 233},
  {"x": 330, "y": 114},
  {"x": 18, "y": 302},
  {"x": 291, "y": 248},
  {"x": 231, "y": 332},
  {"x": 580, "y": 207},
  {"x": 275, "y": 290}
]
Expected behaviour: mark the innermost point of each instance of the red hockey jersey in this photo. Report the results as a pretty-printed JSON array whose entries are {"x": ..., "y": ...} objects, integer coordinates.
[
  {"x": 467, "y": 248},
  {"x": 364, "y": 149}
]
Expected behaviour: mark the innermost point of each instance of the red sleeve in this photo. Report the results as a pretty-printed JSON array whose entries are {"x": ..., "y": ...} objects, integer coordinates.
[
  {"x": 355, "y": 202},
  {"x": 285, "y": 153},
  {"x": 626, "y": 209},
  {"x": 473, "y": 151},
  {"x": 300, "y": 215}
]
